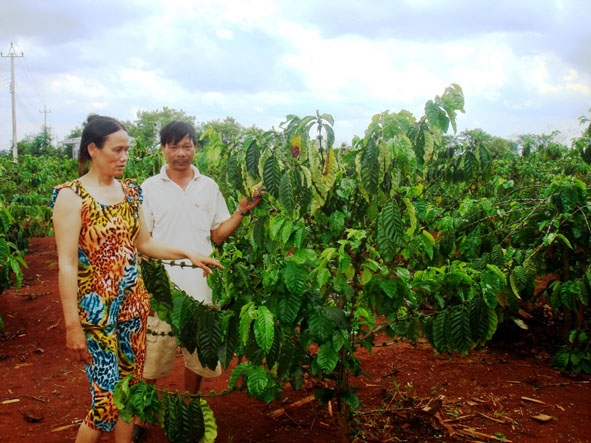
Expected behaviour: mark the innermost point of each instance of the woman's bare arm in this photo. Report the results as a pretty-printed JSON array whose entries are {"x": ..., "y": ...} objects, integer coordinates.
[
  {"x": 67, "y": 223},
  {"x": 153, "y": 248}
]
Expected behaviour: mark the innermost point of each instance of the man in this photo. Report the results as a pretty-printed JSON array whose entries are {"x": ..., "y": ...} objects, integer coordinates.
[{"x": 184, "y": 208}]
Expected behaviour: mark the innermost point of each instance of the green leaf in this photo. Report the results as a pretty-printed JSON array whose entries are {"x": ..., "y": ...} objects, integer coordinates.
[
  {"x": 561, "y": 359},
  {"x": 231, "y": 339},
  {"x": 369, "y": 168},
  {"x": 286, "y": 196},
  {"x": 157, "y": 281},
  {"x": 565, "y": 240},
  {"x": 389, "y": 230},
  {"x": 428, "y": 145},
  {"x": 491, "y": 285},
  {"x": 295, "y": 276},
  {"x": 276, "y": 225},
  {"x": 252, "y": 157},
  {"x": 427, "y": 241},
  {"x": 195, "y": 420},
  {"x": 436, "y": 116},
  {"x": 453, "y": 97},
  {"x": 396, "y": 290},
  {"x": 257, "y": 381},
  {"x": 288, "y": 307},
  {"x": 329, "y": 134},
  {"x": 302, "y": 256},
  {"x": 583, "y": 293},
  {"x": 247, "y": 315},
  {"x": 460, "y": 332},
  {"x": 470, "y": 165},
  {"x": 518, "y": 280},
  {"x": 183, "y": 320},
  {"x": 286, "y": 231},
  {"x": 321, "y": 326},
  {"x": 351, "y": 399},
  {"x": 366, "y": 276},
  {"x": 336, "y": 222},
  {"x": 390, "y": 221},
  {"x": 238, "y": 372},
  {"x": 264, "y": 328},
  {"x": 569, "y": 292},
  {"x": 497, "y": 256},
  {"x": 483, "y": 320},
  {"x": 452, "y": 100},
  {"x": 174, "y": 418},
  {"x": 122, "y": 396},
  {"x": 209, "y": 424},
  {"x": 234, "y": 173},
  {"x": 413, "y": 330},
  {"x": 272, "y": 176},
  {"x": 329, "y": 173},
  {"x": 322, "y": 277},
  {"x": 327, "y": 357},
  {"x": 441, "y": 331},
  {"x": 209, "y": 336},
  {"x": 259, "y": 233}
]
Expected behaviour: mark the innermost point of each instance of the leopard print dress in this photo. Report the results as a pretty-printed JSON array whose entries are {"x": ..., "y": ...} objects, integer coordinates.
[{"x": 113, "y": 303}]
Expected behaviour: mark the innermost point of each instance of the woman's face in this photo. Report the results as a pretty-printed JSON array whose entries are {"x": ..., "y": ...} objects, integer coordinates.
[{"x": 112, "y": 158}]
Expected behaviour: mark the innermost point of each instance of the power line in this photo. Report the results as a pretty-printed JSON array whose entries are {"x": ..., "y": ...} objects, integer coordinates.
[
  {"x": 31, "y": 97},
  {"x": 31, "y": 78},
  {"x": 33, "y": 119}
]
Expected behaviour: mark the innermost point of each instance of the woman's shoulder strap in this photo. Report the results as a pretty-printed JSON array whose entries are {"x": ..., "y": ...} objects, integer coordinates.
[{"x": 74, "y": 185}]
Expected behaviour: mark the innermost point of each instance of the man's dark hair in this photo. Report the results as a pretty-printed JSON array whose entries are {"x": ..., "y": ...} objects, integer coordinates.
[{"x": 174, "y": 131}]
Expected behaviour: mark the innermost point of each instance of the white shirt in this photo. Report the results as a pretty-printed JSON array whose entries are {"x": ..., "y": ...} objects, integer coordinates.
[{"x": 185, "y": 218}]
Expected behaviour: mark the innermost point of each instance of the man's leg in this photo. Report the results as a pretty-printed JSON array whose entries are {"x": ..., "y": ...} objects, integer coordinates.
[
  {"x": 192, "y": 381},
  {"x": 161, "y": 350}
]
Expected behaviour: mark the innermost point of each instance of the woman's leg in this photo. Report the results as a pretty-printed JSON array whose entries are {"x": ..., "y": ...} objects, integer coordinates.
[
  {"x": 87, "y": 434},
  {"x": 132, "y": 352}
]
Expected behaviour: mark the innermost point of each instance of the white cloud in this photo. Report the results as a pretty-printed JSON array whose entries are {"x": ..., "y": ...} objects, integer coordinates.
[
  {"x": 524, "y": 66},
  {"x": 225, "y": 34}
]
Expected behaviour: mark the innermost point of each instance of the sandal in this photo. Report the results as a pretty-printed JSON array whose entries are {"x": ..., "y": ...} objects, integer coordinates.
[{"x": 139, "y": 434}]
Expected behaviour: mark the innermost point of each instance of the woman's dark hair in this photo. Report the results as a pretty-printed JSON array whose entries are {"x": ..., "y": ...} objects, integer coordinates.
[
  {"x": 174, "y": 131},
  {"x": 96, "y": 130}
]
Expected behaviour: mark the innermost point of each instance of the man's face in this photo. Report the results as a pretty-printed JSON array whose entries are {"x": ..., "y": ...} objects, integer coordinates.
[{"x": 179, "y": 156}]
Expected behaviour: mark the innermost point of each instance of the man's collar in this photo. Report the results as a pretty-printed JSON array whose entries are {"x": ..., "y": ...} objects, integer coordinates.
[{"x": 164, "y": 174}]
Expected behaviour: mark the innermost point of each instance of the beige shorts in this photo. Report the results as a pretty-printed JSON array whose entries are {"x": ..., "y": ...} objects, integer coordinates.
[{"x": 161, "y": 351}]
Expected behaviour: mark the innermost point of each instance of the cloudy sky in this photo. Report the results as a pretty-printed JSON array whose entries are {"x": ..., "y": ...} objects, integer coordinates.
[{"x": 524, "y": 65}]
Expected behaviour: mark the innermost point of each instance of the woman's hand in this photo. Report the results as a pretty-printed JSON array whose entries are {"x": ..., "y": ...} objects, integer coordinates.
[
  {"x": 203, "y": 262},
  {"x": 77, "y": 343}
]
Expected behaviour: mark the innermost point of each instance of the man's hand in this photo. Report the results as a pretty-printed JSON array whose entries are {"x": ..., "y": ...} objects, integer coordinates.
[{"x": 247, "y": 205}]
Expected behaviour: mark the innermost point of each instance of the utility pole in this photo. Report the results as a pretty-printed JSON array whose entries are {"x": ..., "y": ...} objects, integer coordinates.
[
  {"x": 46, "y": 136},
  {"x": 12, "y": 54},
  {"x": 45, "y": 112}
]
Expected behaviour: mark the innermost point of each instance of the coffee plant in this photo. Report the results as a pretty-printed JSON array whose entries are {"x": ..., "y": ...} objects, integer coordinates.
[
  {"x": 407, "y": 231},
  {"x": 410, "y": 230},
  {"x": 24, "y": 209}
]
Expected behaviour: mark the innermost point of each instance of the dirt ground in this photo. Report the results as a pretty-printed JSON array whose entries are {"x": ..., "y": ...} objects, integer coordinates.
[{"x": 506, "y": 392}]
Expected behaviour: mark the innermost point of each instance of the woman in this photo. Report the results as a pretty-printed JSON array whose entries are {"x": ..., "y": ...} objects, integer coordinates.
[{"x": 99, "y": 230}]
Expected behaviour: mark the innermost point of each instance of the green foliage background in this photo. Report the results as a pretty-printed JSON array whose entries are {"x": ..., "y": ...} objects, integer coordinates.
[{"x": 410, "y": 230}]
